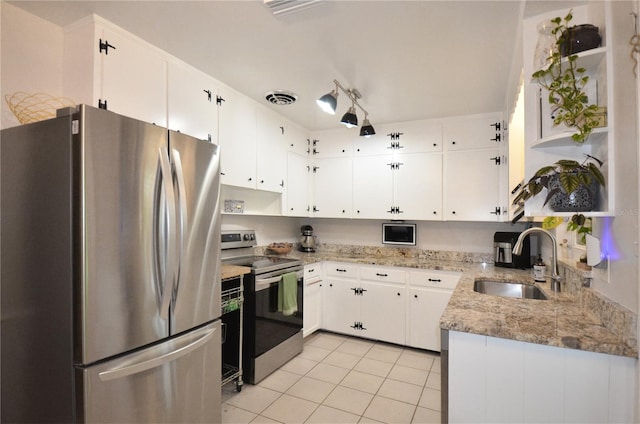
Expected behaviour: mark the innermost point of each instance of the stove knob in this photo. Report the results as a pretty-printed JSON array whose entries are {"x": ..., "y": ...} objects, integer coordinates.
[{"x": 246, "y": 237}]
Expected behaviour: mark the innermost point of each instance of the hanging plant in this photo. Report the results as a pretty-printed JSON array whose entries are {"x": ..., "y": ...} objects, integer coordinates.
[{"x": 565, "y": 83}]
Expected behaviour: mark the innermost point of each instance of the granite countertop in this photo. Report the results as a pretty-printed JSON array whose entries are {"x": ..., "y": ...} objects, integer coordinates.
[{"x": 558, "y": 321}]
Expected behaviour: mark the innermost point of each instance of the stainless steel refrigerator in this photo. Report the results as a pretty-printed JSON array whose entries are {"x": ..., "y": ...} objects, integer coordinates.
[{"x": 110, "y": 290}]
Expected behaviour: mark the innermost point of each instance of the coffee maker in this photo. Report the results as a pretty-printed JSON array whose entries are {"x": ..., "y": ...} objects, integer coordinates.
[
  {"x": 307, "y": 239},
  {"x": 503, "y": 243}
]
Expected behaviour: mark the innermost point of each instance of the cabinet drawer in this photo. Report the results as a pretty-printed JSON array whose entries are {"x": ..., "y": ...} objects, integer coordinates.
[
  {"x": 339, "y": 269},
  {"x": 390, "y": 275},
  {"x": 441, "y": 279},
  {"x": 312, "y": 272}
]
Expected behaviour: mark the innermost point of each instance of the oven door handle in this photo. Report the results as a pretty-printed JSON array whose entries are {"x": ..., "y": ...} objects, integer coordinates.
[{"x": 265, "y": 283}]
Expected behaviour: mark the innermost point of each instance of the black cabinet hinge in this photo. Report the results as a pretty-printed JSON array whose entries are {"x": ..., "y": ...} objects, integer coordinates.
[
  {"x": 102, "y": 105},
  {"x": 497, "y": 159},
  {"x": 208, "y": 94},
  {"x": 219, "y": 100},
  {"x": 104, "y": 46}
]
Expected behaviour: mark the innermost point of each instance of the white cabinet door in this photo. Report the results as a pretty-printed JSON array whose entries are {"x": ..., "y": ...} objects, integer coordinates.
[
  {"x": 405, "y": 137},
  {"x": 383, "y": 311},
  {"x": 417, "y": 186},
  {"x": 134, "y": 78},
  {"x": 331, "y": 143},
  {"x": 471, "y": 185},
  {"x": 297, "y": 185},
  {"x": 332, "y": 188},
  {"x": 271, "y": 151},
  {"x": 312, "y": 314},
  {"x": 473, "y": 132},
  {"x": 192, "y": 102},
  {"x": 340, "y": 305},
  {"x": 237, "y": 134},
  {"x": 426, "y": 306},
  {"x": 297, "y": 139},
  {"x": 373, "y": 187}
]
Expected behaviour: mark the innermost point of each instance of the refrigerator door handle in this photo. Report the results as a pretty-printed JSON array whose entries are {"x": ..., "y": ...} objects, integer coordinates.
[
  {"x": 144, "y": 365},
  {"x": 183, "y": 218},
  {"x": 170, "y": 271}
]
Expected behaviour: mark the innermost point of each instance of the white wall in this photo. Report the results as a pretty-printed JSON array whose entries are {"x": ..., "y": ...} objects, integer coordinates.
[
  {"x": 31, "y": 57},
  {"x": 474, "y": 237},
  {"x": 620, "y": 234}
]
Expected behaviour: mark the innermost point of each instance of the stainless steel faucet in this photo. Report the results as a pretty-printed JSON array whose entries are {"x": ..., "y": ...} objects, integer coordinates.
[{"x": 517, "y": 249}]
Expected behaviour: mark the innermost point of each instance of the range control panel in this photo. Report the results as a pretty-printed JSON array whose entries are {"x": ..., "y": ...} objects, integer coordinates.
[{"x": 234, "y": 239}]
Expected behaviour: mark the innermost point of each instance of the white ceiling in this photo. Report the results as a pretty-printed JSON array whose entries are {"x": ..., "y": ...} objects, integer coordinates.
[{"x": 409, "y": 59}]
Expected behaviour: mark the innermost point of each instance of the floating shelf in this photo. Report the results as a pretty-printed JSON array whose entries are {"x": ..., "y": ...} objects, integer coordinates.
[
  {"x": 588, "y": 59},
  {"x": 564, "y": 139}
]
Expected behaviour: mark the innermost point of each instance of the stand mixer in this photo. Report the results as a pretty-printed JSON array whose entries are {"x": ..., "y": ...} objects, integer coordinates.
[{"x": 307, "y": 239}]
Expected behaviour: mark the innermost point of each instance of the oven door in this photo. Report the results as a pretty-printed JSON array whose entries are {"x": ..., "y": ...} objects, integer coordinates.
[{"x": 272, "y": 327}]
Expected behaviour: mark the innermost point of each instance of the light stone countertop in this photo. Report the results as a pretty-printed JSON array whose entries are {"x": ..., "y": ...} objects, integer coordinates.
[{"x": 558, "y": 321}]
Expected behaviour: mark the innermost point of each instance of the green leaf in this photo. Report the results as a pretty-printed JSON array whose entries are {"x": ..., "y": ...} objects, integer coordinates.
[
  {"x": 569, "y": 182},
  {"x": 596, "y": 173}
]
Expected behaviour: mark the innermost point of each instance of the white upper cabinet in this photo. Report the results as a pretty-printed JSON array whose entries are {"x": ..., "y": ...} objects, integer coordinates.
[
  {"x": 192, "y": 102},
  {"x": 297, "y": 186},
  {"x": 417, "y": 186},
  {"x": 399, "y": 186},
  {"x": 332, "y": 143},
  {"x": 271, "y": 151},
  {"x": 471, "y": 181},
  {"x": 373, "y": 187},
  {"x": 332, "y": 188},
  {"x": 237, "y": 135},
  {"x": 405, "y": 137},
  {"x": 473, "y": 132},
  {"x": 109, "y": 68},
  {"x": 297, "y": 139}
]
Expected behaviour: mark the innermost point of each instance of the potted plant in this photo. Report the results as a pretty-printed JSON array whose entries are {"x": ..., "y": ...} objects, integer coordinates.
[
  {"x": 571, "y": 186},
  {"x": 565, "y": 83}
]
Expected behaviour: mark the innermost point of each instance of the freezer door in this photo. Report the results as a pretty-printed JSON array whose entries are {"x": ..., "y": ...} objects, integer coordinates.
[
  {"x": 196, "y": 171},
  {"x": 176, "y": 381},
  {"x": 122, "y": 221}
]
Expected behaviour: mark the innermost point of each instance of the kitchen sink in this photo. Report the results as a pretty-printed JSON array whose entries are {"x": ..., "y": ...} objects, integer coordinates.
[{"x": 508, "y": 289}]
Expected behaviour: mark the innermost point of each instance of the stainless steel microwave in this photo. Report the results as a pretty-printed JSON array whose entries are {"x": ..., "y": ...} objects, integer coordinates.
[{"x": 399, "y": 233}]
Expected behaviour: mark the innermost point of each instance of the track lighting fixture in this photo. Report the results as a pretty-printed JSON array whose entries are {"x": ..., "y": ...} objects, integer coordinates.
[{"x": 329, "y": 102}]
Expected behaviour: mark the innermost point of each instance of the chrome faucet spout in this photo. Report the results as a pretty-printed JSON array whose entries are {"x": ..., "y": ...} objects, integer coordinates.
[{"x": 555, "y": 276}]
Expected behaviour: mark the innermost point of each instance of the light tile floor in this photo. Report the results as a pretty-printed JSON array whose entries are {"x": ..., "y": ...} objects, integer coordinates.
[{"x": 339, "y": 379}]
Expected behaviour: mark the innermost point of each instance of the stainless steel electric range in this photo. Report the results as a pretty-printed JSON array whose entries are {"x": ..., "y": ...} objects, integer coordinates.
[{"x": 270, "y": 338}]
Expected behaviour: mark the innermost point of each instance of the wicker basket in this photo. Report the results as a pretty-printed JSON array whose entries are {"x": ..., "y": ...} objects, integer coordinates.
[
  {"x": 35, "y": 107},
  {"x": 280, "y": 248}
]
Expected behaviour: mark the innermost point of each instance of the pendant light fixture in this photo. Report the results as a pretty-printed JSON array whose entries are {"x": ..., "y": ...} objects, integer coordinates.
[{"x": 329, "y": 102}]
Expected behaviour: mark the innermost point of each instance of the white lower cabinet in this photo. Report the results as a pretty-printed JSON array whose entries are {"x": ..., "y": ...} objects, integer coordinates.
[
  {"x": 394, "y": 305},
  {"x": 499, "y": 380},
  {"x": 340, "y": 303},
  {"x": 429, "y": 294},
  {"x": 312, "y": 306},
  {"x": 382, "y": 304}
]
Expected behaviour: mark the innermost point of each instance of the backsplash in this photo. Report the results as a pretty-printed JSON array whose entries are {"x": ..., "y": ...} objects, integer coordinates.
[
  {"x": 399, "y": 252},
  {"x": 616, "y": 318}
]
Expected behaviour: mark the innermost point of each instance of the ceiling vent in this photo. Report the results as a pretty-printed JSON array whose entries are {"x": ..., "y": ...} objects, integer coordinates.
[
  {"x": 281, "y": 98},
  {"x": 283, "y": 7}
]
